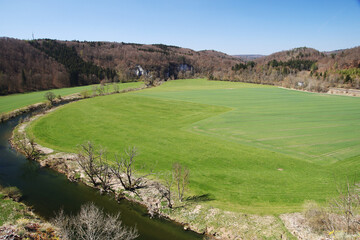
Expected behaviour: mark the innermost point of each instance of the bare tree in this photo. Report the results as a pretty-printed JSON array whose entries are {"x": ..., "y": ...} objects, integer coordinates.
[
  {"x": 26, "y": 146},
  {"x": 93, "y": 163},
  {"x": 64, "y": 225},
  {"x": 347, "y": 204},
  {"x": 92, "y": 224},
  {"x": 165, "y": 190},
  {"x": 102, "y": 171},
  {"x": 181, "y": 177},
  {"x": 125, "y": 172}
]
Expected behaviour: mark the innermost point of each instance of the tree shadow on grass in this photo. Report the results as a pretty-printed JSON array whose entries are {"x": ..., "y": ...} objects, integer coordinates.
[
  {"x": 196, "y": 199},
  {"x": 200, "y": 198}
]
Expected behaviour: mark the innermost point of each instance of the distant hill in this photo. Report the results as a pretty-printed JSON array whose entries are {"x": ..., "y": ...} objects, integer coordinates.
[
  {"x": 343, "y": 59},
  {"x": 334, "y": 51},
  {"x": 301, "y": 68},
  {"x": 24, "y": 68},
  {"x": 45, "y": 63},
  {"x": 302, "y": 53},
  {"x": 248, "y": 57}
]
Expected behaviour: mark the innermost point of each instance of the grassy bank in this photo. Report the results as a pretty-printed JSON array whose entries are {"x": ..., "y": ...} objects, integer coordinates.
[
  {"x": 252, "y": 148},
  {"x": 18, "y": 222},
  {"x": 11, "y": 211},
  {"x": 15, "y": 101}
]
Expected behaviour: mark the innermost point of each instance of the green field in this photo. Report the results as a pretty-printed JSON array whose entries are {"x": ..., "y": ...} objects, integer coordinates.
[
  {"x": 15, "y": 101},
  {"x": 253, "y": 148}
]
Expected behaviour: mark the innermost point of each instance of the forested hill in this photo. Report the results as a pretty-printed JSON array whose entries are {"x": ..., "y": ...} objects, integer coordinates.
[
  {"x": 45, "y": 63},
  {"x": 341, "y": 59},
  {"x": 302, "y": 68}
]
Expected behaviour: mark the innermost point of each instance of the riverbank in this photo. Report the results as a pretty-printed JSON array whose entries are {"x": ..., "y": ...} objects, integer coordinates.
[
  {"x": 17, "y": 221},
  {"x": 59, "y": 101},
  {"x": 194, "y": 214}
]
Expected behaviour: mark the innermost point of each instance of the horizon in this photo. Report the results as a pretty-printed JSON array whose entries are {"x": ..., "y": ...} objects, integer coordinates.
[
  {"x": 198, "y": 25},
  {"x": 242, "y": 54}
]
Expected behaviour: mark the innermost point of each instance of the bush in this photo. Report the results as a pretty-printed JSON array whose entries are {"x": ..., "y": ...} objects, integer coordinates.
[
  {"x": 92, "y": 223},
  {"x": 12, "y": 192},
  {"x": 85, "y": 93},
  {"x": 317, "y": 217},
  {"x": 50, "y": 96}
]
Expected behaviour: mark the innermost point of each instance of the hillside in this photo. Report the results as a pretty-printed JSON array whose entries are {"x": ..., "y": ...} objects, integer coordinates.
[
  {"x": 301, "y": 68},
  {"x": 340, "y": 59},
  {"x": 24, "y": 68},
  {"x": 132, "y": 60},
  {"x": 248, "y": 57},
  {"x": 44, "y": 63},
  {"x": 302, "y": 53}
]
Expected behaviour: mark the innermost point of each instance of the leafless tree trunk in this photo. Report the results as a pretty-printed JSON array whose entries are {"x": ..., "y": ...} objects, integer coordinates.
[
  {"x": 92, "y": 224},
  {"x": 93, "y": 162},
  {"x": 124, "y": 170},
  {"x": 26, "y": 146},
  {"x": 181, "y": 177},
  {"x": 64, "y": 225},
  {"x": 102, "y": 170},
  {"x": 347, "y": 204},
  {"x": 166, "y": 191},
  {"x": 86, "y": 159}
]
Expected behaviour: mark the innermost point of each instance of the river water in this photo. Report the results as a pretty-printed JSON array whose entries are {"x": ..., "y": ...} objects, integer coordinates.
[{"x": 49, "y": 191}]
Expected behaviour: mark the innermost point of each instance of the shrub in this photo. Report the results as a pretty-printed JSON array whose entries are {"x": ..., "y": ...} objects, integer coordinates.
[
  {"x": 12, "y": 192},
  {"x": 92, "y": 223},
  {"x": 85, "y": 93},
  {"x": 50, "y": 96}
]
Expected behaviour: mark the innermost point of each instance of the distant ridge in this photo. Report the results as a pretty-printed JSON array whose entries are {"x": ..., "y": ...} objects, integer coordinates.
[
  {"x": 248, "y": 57},
  {"x": 42, "y": 64},
  {"x": 47, "y": 63}
]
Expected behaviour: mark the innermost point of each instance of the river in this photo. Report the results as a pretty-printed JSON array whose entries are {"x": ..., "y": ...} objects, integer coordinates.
[{"x": 48, "y": 191}]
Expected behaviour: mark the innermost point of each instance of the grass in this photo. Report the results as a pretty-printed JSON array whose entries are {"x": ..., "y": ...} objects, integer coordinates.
[
  {"x": 253, "y": 148},
  {"x": 15, "y": 101},
  {"x": 10, "y": 211}
]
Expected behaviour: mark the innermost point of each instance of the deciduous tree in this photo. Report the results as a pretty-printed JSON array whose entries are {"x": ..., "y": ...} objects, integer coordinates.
[
  {"x": 181, "y": 177},
  {"x": 25, "y": 145},
  {"x": 50, "y": 96},
  {"x": 125, "y": 172},
  {"x": 92, "y": 224}
]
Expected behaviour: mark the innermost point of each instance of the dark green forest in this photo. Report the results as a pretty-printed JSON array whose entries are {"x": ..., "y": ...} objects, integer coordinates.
[{"x": 75, "y": 65}]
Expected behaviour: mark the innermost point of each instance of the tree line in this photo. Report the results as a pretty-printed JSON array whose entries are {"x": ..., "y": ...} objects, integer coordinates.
[{"x": 100, "y": 172}]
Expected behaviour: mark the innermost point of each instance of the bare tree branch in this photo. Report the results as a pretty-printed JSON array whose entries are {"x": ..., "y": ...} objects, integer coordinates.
[
  {"x": 166, "y": 191},
  {"x": 125, "y": 172},
  {"x": 94, "y": 163},
  {"x": 86, "y": 160},
  {"x": 92, "y": 224},
  {"x": 26, "y": 146},
  {"x": 181, "y": 177}
]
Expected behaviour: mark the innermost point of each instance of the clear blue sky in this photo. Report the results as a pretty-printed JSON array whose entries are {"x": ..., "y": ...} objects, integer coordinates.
[{"x": 230, "y": 26}]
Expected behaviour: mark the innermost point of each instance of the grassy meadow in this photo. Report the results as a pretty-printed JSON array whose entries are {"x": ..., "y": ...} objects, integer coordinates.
[
  {"x": 15, "y": 101},
  {"x": 253, "y": 148}
]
